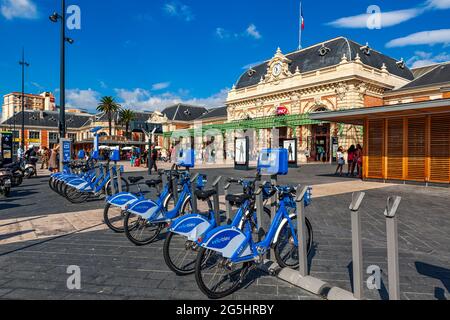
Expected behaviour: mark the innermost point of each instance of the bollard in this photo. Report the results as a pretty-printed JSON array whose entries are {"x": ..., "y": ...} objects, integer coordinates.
[
  {"x": 392, "y": 246},
  {"x": 111, "y": 180},
  {"x": 193, "y": 188},
  {"x": 119, "y": 178},
  {"x": 301, "y": 231},
  {"x": 259, "y": 208},
  {"x": 228, "y": 205},
  {"x": 174, "y": 182},
  {"x": 216, "y": 204},
  {"x": 273, "y": 208},
  {"x": 357, "y": 199}
]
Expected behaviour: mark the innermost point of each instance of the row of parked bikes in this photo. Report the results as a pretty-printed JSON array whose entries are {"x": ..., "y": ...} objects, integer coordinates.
[{"x": 220, "y": 253}]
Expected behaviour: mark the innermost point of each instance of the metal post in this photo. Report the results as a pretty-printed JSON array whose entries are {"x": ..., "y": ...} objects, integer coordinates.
[
  {"x": 62, "y": 103},
  {"x": 111, "y": 177},
  {"x": 174, "y": 183},
  {"x": 228, "y": 205},
  {"x": 193, "y": 188},
  {"x": 260, "y": 208},
  {"x": 392, "y": 247},
  {"x": 357, "y": 199},
  {"x": 301, "y": 233},
  {"x": 24, "y": 64},
  {"x": 216, "y": 203},
  {"x": 273, "y": 208},
  {"x": 119, "y": 178}
]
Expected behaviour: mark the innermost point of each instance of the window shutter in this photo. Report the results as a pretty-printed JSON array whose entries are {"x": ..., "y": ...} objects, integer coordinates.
[
  {"x": 395, "y": 149},
  {"x": 375, "y": 158},
  {"x": 440, "y": 148},
  {"x": 416, "y": 148}
]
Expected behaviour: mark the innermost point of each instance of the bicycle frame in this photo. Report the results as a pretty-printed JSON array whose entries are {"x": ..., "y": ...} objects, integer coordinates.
[
  {"x": 155, "y": 212},
  {"x": 238, "y": 245}
]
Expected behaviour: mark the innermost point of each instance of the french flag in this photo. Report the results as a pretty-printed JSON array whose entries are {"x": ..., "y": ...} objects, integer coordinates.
[{"x": 302, "y": 19}]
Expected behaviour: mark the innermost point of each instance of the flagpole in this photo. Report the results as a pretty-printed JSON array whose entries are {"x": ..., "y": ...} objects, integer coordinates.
[{"x": 300, "y": 28}]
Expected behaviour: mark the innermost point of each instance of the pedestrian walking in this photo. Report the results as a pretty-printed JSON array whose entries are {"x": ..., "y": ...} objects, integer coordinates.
[
  {"x": 341, "y": 161},
  {"x": 45, "y": 158},
  {"x": 153, "y": 159},
  {"x": 351, "y": 157},
  {"x": 53, "y": 163},
  {"x": 359, "y": 160}
]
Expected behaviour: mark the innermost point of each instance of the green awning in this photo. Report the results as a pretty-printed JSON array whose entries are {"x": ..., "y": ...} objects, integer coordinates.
[{"x": 291, "y": 121}]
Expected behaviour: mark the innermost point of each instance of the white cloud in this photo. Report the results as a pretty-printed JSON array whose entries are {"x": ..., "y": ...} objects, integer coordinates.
[
  {"x": 422, "y": 58},
  {"x": 178, "y": 9},
  {"x": 388, "y": 19},
  {"x": 82, "y": 99},
  {"x": 103, "y": 84},
  {"x": 422, "y": 38},
  {"x": 253, "y": 32},
  {"x": 141, "y": 99},
  {"x": 438, "y": 4},
  {"x": 24, "y": 9},
  {"x": 160, "y": 86}
]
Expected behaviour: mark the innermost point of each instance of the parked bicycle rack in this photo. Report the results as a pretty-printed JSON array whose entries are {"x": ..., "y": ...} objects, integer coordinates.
[
  {"x": 228, "y": 210},
  {"x": 216, "y": 203}
]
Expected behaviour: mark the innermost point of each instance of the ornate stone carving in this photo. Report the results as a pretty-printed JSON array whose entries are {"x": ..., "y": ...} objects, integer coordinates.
[
  {"x": 341, "y": 90},
  {"x": 278, "y": 68},
  {"x": 361, "y": 89}
]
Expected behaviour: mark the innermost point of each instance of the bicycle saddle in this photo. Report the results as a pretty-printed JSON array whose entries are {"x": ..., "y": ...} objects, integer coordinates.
[
  {"x": 134, "y": 180},
  {"x": 153, "y": 183},
  {"x": 237, "y": 199},
  {"x": 204, "y": 194}
]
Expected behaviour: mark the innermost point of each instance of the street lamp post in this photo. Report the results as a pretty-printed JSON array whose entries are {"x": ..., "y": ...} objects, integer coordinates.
[
  {"x": 55, "y": 17},
  {"x": 24, "y": 64}
]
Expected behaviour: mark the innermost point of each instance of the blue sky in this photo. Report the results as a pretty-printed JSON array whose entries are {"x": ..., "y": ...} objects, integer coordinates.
[{"x": 150, "y": 54}]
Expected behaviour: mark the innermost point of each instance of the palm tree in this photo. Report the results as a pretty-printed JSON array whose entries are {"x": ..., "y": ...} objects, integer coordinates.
[
  {"x": 126, "y": 116},
  {"x": 110, "y": 107}
]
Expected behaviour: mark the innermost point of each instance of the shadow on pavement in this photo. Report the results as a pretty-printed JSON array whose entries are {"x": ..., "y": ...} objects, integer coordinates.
[
  {"x": 438, "y": 273},
  {"x": 14, "y": 234}
]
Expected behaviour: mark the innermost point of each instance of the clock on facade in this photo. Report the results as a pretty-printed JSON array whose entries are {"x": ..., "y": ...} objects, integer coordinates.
[{"x": 276, "y": 70}]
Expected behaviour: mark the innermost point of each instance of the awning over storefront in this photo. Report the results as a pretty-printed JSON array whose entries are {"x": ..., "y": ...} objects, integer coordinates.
[{"x": 358, "y": 116}]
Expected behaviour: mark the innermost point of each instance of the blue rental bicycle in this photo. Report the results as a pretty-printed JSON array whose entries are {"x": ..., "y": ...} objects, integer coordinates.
[
  {"x": 115, "y": 208},
  {"x": 228, "y": 253},
  {"x": 81, "y": 189},
  {"x": 181, "y": 245},
  {"x": 145, "y": 219}
]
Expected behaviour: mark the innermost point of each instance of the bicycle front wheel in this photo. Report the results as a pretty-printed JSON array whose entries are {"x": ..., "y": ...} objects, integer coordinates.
[
  {"x": 114, "y": 218},
  {"x": 180, "y": 255},
  {"x": 286, "y": 252},
  {"x": 140, "y": 231},
  {"x": 215, "y": 278}
]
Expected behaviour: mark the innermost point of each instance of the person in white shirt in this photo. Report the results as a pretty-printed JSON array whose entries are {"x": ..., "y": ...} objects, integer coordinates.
[{"x": 340, "y": 160}]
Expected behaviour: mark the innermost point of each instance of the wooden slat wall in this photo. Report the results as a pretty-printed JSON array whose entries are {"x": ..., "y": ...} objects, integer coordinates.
[
  {"x": 440, "y": 148},
  {"x": 395, "y": 149},
  {"x": 376, "y": 144},
  {"x": 416, "y": 148}
]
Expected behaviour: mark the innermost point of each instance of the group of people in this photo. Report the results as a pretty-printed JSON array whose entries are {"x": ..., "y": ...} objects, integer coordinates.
[
  {"x": 354, "y": 161},
  {"x": 49, "y": 157}
]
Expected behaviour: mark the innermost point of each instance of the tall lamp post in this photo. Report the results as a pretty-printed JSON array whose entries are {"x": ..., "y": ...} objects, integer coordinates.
[
  {"x": 55, "y": 17},
  {"x": 24, "y": 64}
]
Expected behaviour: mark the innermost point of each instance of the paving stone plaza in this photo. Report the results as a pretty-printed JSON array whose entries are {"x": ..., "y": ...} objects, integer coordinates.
[{"x": 41, "y": 234}]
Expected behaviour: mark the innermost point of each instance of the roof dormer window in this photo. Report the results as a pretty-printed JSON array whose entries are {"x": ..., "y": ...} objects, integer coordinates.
[
  {"x": 401, "y": 64},
  {"x": 323, "y": 51},
  {"x": 251, "y": 72},
  {"x": 366, "y": 49}
]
